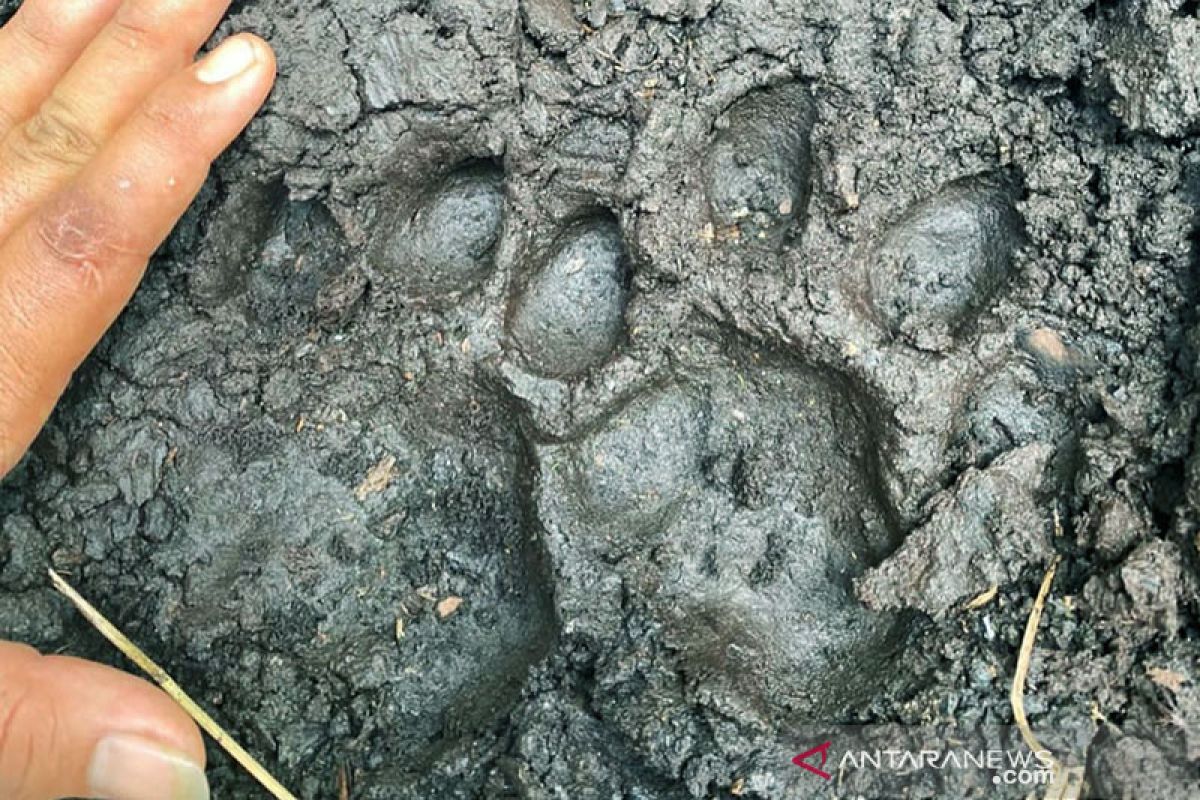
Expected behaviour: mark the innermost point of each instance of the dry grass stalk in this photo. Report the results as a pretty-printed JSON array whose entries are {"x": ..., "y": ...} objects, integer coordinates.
[{"x": 160, "y": 676}]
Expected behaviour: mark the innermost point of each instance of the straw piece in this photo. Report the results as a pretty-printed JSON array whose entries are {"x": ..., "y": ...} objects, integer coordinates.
[
  {"x": 160, "y": 676},
  {"x": 1017, "y": 696},
  {"x": 1067, "y": 782}
]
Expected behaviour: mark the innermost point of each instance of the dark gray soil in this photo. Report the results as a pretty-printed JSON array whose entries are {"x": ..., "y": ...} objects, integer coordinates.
[{"x": 575, "y": 400}]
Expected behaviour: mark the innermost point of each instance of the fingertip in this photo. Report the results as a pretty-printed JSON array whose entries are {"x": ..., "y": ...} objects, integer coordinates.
[
  {"x": 127, "y": 767},
  {"x": 268, "y": 63},
  {"x": 71, "y": 728},
  {"x": 124, "y": 704},
  {"x": 243, "y": 55},
  {"x": 266, "y": 53}
]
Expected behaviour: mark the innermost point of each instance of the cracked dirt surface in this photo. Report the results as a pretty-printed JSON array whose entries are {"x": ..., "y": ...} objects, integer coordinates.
[{"x": 552, "y": 399}]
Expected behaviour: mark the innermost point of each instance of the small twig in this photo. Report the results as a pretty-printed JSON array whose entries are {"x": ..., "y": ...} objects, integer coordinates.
[
  {"x": 343, "y": 783},
  {"x": 160, "y": 676},
  {"x": 1068, "y": 782},
  {"x": 1017, "y": 696},
  {"x": 983, "y": 598}
]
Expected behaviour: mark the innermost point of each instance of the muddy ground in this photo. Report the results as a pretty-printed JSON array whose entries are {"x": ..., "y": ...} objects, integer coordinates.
[{"x": 577, "y": 400}]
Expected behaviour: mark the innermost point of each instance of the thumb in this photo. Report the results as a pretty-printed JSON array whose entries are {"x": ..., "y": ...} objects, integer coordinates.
[{"x": 70, "y": 728}]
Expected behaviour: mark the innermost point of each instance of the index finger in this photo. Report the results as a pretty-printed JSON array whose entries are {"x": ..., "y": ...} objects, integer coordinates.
[{"x": 67, "y": 272}]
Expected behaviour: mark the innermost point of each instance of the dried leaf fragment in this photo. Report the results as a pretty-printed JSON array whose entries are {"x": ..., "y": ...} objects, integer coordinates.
[
  {"x": 1167, "y": 678},
  {"x": 983, "y": 598},
  {"x": 378, "y": 478},
  {"x": 448, "y": 606}
]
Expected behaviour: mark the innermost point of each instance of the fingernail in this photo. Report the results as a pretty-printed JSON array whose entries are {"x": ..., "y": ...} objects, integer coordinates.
[
  {"x": 232, "y": 58},
  {"x": 129, "y": 768}
]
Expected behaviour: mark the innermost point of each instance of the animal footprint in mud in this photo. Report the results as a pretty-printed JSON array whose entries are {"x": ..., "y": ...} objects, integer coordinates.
[
  {"x": 414, "y": 605},
  {"x": 644, "y": 463},
  {"x": 444, "y": 242},
  {"x": 737, "y": 501},
  {"x": 297, "y": 250},
  {"x": 755, "y": 491},
  {"x": 758, "y": 171},
  {"x": 944, "y": 261},
  {"x": 571, "y": 315}
]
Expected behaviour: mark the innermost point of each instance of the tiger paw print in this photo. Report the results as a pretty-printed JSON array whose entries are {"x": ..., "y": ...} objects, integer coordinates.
[
  {"x": 723, "y": 461},
  {"x": 624, "y": 427}
]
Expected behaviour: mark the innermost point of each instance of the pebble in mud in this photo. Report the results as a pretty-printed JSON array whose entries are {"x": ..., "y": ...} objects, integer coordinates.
[
  {"x": 944, "y": 260},
  {"x": 446, "y": 244},
  {"x": 572, "y": 315},
  {"x": 758, "y": 170}
]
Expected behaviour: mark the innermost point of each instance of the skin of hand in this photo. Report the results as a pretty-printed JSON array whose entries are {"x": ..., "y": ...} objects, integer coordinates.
[{"x": 108, "y": 127}]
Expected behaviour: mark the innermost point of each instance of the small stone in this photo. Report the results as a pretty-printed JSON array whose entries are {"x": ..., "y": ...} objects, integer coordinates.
[
  {"x": 1118, "y": 526},
  {"x": 846, "y": 179}
]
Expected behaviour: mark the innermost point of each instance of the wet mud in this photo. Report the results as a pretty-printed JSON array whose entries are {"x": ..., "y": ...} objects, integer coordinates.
[{"x": 555, "y": 399}]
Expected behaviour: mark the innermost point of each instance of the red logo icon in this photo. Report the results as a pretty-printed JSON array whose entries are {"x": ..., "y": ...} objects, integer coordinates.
[{"x": 823, "y": 749}]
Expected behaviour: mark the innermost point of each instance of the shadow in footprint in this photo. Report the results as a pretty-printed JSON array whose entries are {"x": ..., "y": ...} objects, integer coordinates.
[
  {"x": 443, "y": 243},
  {"x": 758, "y": 169},
  {"x": 272, "y": 258}
]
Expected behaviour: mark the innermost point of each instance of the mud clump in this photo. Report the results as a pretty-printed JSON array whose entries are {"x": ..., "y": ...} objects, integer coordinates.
[
  {"x": 987, "y": 528},
  {"x": 1154, "y": 67}
]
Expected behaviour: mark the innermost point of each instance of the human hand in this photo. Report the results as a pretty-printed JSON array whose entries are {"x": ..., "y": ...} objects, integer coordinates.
[{"x": 107, "y": 131}]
